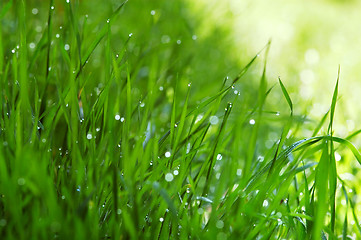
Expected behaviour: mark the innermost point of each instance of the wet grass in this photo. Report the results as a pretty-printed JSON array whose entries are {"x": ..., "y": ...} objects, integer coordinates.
[{"x": 108, "y": 134}]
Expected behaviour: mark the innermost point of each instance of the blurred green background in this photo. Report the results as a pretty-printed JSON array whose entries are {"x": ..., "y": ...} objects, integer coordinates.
[{"x": 310, "y": 39}]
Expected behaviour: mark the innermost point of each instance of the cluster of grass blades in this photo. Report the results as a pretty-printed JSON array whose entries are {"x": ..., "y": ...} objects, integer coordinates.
[{"x": 83, "y": 158}]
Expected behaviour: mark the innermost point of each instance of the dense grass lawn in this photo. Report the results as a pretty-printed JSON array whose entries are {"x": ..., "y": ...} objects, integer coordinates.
[{"x": 136, "y": 120}]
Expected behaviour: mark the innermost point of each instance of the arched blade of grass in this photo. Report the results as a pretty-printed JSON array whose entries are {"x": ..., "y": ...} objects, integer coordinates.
[
  {"x": 281, "y": 157},
  {"x": 287, "y": 127}
]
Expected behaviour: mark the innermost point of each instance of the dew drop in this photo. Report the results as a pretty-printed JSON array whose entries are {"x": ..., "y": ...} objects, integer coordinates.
[
  {"x": 152, "y": 12},
  {"x": 219, "y": 157},
  {"x": 34, "y": 11},
  {"x": 122, "y": 119},
  {"x": 179, "y": 42},
  {"x": 175, "y": 172},
  {"x": 167, "y": 154},
  {"x": 52, "y": 7},
  {"x": 239, "y": 172},
  {"x": 161, "y": 88},
  {"x": 194, "y": 37},
  {"x": 169, "y": 177},
  {"x": 141, "y": 104},
  {"x": 220, "y": 224},
  {"x": 213, "y": 120},
  {"x": 21, "y": 181},
  {"x": 117, "y": 117},
  {"x": 97, "y": 129},
  {"x": 130, "y": 34},
  {"x": 161, "y": 219},
  {"x": 66, "y": 47},
  {"x": 165, "y": 39},
  {"x": 57, "y": 35},
  {"x": 89, "y": 136},
  {"x": 252, "y": 121}
]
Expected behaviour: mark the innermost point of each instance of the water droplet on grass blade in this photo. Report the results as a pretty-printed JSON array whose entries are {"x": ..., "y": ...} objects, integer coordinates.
[
  {"x": 161, "y": 219},
  {"x": 220, "y": 224},
  {"x": 117, "y": 117},
  {"x": 89, "y": 136},
  {"x": 152, "y": 12},
  {"x": 34, "y": 11},
  {"x": 165, "y": 39},
  {"x": 219, "y": 157},
  {"x": 21, "y": 181},
  {"x": 167, "y": 154},
  {"x": 213, "y": 120},
  {"x": 169, "y": 177},
  {"x": 252, "y": 121}
]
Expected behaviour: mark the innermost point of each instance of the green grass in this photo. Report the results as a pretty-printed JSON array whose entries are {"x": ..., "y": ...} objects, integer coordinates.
[{"x": 107, "y": 134}]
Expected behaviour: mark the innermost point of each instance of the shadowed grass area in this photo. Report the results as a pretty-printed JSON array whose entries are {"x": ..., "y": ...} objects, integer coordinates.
[{"x": 129, "y": 121}]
